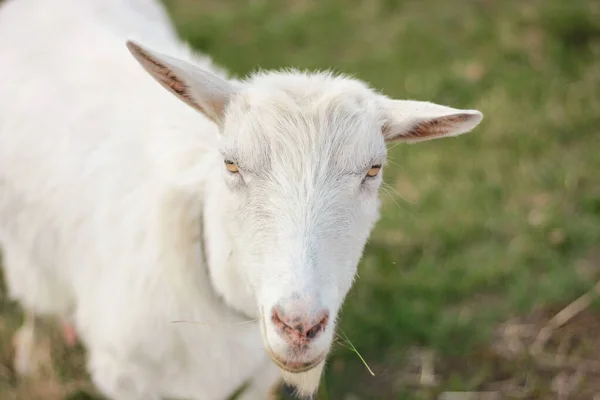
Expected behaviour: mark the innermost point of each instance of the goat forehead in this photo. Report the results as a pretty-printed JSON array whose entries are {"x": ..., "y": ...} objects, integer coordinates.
[{"x": 306, "y": 127}]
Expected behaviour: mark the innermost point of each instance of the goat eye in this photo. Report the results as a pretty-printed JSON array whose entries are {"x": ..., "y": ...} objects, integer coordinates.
[
  {"x": 373, "y": 171},
  {"x": 231, "y": 167}
]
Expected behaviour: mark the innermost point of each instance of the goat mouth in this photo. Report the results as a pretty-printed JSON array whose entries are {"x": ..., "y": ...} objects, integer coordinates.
[{"x": 294, "y": 367}]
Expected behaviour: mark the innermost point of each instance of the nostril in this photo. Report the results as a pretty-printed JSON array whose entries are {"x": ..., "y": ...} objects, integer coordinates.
[
  {"x": 283, "y": 321},
  {"x": 318, "y": 328},
  {"x": 313, "y": 332},
  {"x": 276, "y": 318}
]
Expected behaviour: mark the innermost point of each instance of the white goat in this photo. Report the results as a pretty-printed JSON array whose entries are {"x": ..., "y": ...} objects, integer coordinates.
[{"x": 107, "y": 183}]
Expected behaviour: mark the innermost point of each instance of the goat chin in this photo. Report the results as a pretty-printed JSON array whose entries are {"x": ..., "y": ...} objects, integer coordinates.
[{"x": 305, "y": 383}]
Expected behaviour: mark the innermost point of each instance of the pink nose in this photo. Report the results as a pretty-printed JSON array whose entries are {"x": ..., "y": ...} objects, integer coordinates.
[{"x": 297, "y": 326}]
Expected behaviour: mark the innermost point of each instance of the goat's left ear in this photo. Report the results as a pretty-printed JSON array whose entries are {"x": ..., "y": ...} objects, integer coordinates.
[{"x": 416, "y": 121}]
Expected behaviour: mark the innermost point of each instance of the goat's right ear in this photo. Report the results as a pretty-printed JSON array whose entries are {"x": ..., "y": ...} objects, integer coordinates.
[{"x": 198, "y": 88}]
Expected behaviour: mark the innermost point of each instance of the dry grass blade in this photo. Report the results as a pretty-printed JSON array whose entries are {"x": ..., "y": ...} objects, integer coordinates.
[
  {"x": 562, "y": 318},
  {"x": 427, "y": 376}
]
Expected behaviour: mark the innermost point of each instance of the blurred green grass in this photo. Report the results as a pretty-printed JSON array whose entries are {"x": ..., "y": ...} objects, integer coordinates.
[{"x": 475, "y": 229}]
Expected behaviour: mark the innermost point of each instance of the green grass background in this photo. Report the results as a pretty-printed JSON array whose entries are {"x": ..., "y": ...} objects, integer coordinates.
[{"x": 475, "y": 229}]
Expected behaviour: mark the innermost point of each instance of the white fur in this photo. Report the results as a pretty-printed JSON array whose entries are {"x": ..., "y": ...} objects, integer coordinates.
[{"x": 104, "y": 178}]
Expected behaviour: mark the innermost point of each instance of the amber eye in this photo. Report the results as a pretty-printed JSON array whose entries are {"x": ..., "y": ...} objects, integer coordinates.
[
  {"x": 373, "y": 171},
  {"x": 231, "y": 167}
]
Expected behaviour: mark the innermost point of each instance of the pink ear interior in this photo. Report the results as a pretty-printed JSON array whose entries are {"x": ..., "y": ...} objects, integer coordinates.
[{"x": 431, "y": 128}]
